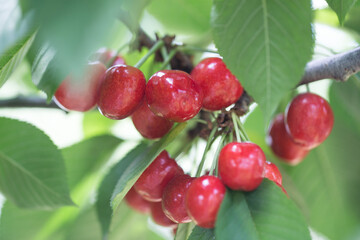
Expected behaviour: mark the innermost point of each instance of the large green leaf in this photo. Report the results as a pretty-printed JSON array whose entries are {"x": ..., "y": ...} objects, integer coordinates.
[
  {"x": 265, "y": 43},
  {"x": 341, "y": 7},
  {"x": 199, "y": 233},
  {"x": 194, "y": 15},
  {"x": 184, "y": 230},
  {"x": 32, "y": 171},
  {"x": 265, "y": 213},
  {"x": 12, "y": 57}
]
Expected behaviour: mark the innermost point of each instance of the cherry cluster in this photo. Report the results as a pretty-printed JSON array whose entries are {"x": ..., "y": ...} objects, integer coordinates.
[{"x": 307, "y": 122}]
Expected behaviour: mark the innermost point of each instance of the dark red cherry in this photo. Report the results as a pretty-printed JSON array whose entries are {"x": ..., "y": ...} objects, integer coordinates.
[
  {"x": 136, "y": 202},
  {"x": 105, "y": 55},
  {"x": 273, "y": 173},
  {"x": 173, "y": 94},
  {"x": 203, "y": 200},
  {"x": 173, "y": 200},
  {"x": 121, "y": 92},
  {"x": 80, "y": 94},
  {"x": 309, "y": 119},
  {"x": 242, "y": 165},
  {"x": 282, "y": 144},
  {"x": 159, "y": 217},
  {"x": 148, "y": 124},
  {"x": 156, "y": 176},
  {"x": 220, "y": 87}
]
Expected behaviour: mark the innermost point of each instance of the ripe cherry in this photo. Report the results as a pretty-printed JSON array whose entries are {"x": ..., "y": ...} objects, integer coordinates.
[
  {"x": 148, "y": 124},
  {"x": 105, "y": 55},
  {"x": 282, "y": 144},
  {"x": 173, "y": 94},
  {"x": 121, "y": 92},
  {"x": 203, "y": 200},
  {"x": 242, "y": 165},
  {"x": 80, "y": 94},
  {"x": 272, "y": 173},
  {"x": 309, "y": 119},
  {"x": 173, "y": 200},
  {"x": 159, "y": 216},
  {"x": 138, "y": 203},
  {"x": 156, "y": 176},
  {"x": 220, "y": 87}
]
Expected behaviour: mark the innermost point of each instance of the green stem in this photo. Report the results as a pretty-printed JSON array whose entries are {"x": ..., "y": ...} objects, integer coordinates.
[
  {"x": 307, "y": 88},
  {"x": 168, "y": 59},
  {"x": 152, "y": 50},
  {"x": 199, "y": 120},
  {"x": 237, "y": 132},
  {"x": 208, "y": 144},
  {"x": 196, "y": 49},
  {"x": 214, "y": 166},
  {"x": 111, "y": 61},
  {"x": 242, "y": 130}
]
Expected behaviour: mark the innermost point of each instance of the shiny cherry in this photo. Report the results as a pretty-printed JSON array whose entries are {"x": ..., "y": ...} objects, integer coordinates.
[
  {"x": 105, "y": 55},
  {"x": 137, "y": 202},
  {"x": 220, "y": 87},
  {"x": 309, "y": 119},
  {"x": 159, "y": 217},
  {"x": 173, "y": 200},
  {"x": 148, "y": 124},
  {"x": 203, "y": 200},
  {"x": 156, "y": 176},
  {"x": 80, "y": 94},
  {"x": 272, "y": 172},
  {"x": 121, "y": 92},
  {"x": 174, "y": 95},
  {"x": 282, "y": 144},
  {"x": 242, "y": 165}
]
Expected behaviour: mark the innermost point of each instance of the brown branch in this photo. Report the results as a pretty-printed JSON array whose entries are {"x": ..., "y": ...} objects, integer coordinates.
[
  {"x": 28, "y": 102},
  {"x": 338, "y": 67}
]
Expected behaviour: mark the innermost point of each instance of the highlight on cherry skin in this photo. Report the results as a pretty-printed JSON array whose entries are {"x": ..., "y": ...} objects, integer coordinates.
[
  {"x": 220, "y": 87},
  {"x": 242, "y": 165},
  {"x": 80, "y": 94},
  {"x": 282, "y": 144},
  {"x": 148, "y": 124},
  {"x": 174, "y": 95},
  {"x": 203, "y": 200},
  {"x": 156, "y": 176},
  {"x": 121, "y": 92},
  {"x": 309, "y": 119}
]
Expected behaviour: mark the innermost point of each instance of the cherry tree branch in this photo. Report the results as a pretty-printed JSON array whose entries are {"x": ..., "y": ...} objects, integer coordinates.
[
  {"x": 338, "y": 67},
  {"x": 27, "y": 102}
]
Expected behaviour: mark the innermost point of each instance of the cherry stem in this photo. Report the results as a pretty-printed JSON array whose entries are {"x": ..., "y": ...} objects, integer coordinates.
[
  {"x": 152, "y": 50},
  {"x": 242, "y": 130},
  {"x": 196, "y": 49},
  {"x": 208, "y": 144},
  {"x": 111, "y": 61},
  {"x": 168, "y": 59},
  {"x": 214, "y": 166},
  {"x": 199, "y": 120},
  {"x": 307, "y": 88},
  {"x": 236, "y": 127}
]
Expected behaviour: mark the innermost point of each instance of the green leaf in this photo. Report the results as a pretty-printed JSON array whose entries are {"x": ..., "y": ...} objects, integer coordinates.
[
  {"x": 184, "y": 230},
  {"x": 96, "y": 124},
  {"x": 265, "y": 213},
  {"x": 341, "y": 7},
  {"x": 265, "y": 43},
  {"x": 32, "y": 171},
  {"x": 88, "y": 156},
  {"x": 123, "y": 175},
  {"x": 13, "y": 56},
  {"x": 199, "y": 233},
  {"x": 194, "y": 15}
]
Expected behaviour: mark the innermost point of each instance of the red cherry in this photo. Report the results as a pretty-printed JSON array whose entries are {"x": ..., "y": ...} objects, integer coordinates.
[
  {"x": 220, "y": 87},
  {"x": 104, "y": 55},
  {"x": 173, "y": 200},
  {"x": 153, "y": 180},
  {"x": 203, "y": 200},
  {"x": 282, "y": 144},
  {"x": 148, "y": 124},
  {"x": 242, "y": 165},
  {"x": 159, "y": 216},
  {"x": 121, "y": 92},
  {"x": 173, "y": 94},
  {"x": 309, "y": 119},
  {"x": 138, "y": 203},
  {"x": 272, "y": 173},
  {"x": 81, "y": 94}
]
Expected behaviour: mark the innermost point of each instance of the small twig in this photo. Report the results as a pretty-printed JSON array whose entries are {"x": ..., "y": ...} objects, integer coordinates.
[{"x": 27, "y": 102}]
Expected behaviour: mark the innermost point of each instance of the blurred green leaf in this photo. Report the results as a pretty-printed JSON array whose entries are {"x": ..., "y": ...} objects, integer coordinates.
[
  {"x": 149, "y": 67},
  {"x": 184, "y": 230},
  {"x": 352, "y": 20},
  {"x": 182, "y": 16},
  {"x": 96, "y": 124},
  {"x": 199, "y": 233},
  {"x": 13, "y": 56},
  {"x": 341, "y": 7},
  {"x": 257, "y": 39},
  {"x": 266, "y": 213},
  {"x": 32, "y": 171}
]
